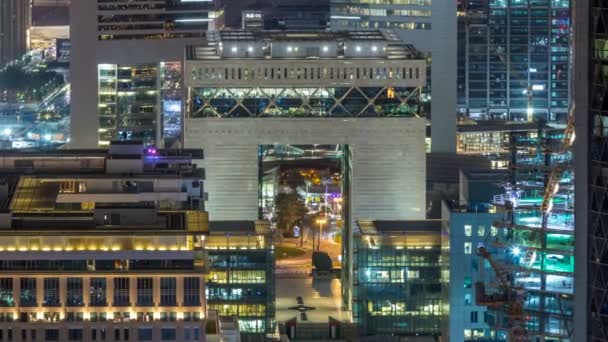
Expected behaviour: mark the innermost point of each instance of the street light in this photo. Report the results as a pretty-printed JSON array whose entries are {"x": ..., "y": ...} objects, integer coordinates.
[{"x": 320, "y": 222}]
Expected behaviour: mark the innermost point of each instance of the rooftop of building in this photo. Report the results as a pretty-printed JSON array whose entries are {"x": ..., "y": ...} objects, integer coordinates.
[
  {"x": 484, "y": 175},
  {"x": 130, "y": 158},
  {"x": 497, "y": 126},
  {"x": 394, "y": 227},
  {"x": 306, "y": 35},
  {"x": 444, "y": 167},
  {"x": 410, "y": 234},
  {"x": 293, "y": 44},
  {"x": 239, "y": 228}
]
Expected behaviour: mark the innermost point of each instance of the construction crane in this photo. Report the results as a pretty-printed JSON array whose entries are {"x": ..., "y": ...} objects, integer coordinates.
[{"x": 510, "y": 300}]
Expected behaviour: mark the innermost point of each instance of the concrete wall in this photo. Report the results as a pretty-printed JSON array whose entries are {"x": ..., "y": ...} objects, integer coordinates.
[
  {"x": 88, "y": 52},
  {"x": 388, "y": 161}
]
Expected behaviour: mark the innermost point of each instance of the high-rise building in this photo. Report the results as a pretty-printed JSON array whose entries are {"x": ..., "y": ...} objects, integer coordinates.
[
  {"x": 356, "y": 89},
  {"x": 15, "y": 23},
  {"x": 102, "y": 245},
  {"x": 126, "y": 72},
  {"x": 400, "y": 277},
  {"x": 470, "y": 226},
  {"x": 277, "y": 14},
  {"x": 589, "y": 91},
  {"x": 514, "y": 59},
  {"x": 472, "y": 222},
  {"x": 537, "y": 254},
  {"x": 292, "y": 14},
  {"x": 431, "y": 26}
]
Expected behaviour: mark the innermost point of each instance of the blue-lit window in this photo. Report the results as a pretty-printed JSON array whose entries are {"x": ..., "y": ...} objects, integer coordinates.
[
  {"x": 6, "y": 292},
  {"x": 74, "y": 292},
  {"x": 28, "y": 292},
  {"x": 97, "y": 292},
  {"x": 51, "y": 292}
]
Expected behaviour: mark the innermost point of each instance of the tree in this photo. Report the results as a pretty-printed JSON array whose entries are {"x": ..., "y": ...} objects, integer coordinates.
[
  {"x": 290, "y": 211},
  {"x": 13, "y": 78},
  {"x": 292, "y": 178}
]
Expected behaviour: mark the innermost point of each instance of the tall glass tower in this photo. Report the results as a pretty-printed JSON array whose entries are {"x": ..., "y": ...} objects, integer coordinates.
[{"x": 515, "y": 59}]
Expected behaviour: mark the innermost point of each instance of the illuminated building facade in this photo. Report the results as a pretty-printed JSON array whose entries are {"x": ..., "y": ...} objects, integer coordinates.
[
  {"x": 514, "y": 59},
  {"x": 431, "y": 27},
  {"x": 241, "y": 280},
  {"x": 469, "y": 227},
  {"x": 538, "y": 250},
  {"x": 359, "y": 89},
  {"x": 400, "y": 278},
  {"x": 15, "y": 24},
  {"x": 491, "y": 139},
  {"x": 279, "y": 15},
  {"x": 126, "y": 68},
  {"x": 102, "y": 245}
]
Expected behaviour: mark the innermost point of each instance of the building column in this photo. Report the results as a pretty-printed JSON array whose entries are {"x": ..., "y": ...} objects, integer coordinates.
[
  {"x": 39, "y": 291},
  {"x": 156, "y": 290},
  {"x": 133, "y": 291},
  {"x": 201, "y": 291},
  {"x": 17, "y": 294},
  {"x": 63, "y": 294},
  {"x": 110, "y": 291},
  {"x": 179, "y": 290},
  {"x": 86, "y": 286}
]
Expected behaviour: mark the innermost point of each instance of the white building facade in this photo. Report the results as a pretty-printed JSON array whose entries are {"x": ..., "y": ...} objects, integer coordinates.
[
  {"x": 126, "y": 68},
  {"x": 432, "y": 27},
  {"x": 358, "y": 90}
]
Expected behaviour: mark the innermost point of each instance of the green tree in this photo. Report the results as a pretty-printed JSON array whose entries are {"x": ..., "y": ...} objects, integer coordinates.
[
  {"x": 13, "y": 78},
  {"x": 292, "y": 178},
  {"x": 290, "y": 210}
]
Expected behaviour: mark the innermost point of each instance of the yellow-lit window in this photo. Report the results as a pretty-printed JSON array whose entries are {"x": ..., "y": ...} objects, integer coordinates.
[
  {"x": 493, "y": 231},
  {"x": 87, "y": 205},
  {"x": 218, "y": 277},
  {"x": 413, "y": 274},
  {"x": 481, "y": 231}
]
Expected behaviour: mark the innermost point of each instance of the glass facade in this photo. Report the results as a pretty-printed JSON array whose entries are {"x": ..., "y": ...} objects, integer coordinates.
[
  {"x": 168, "y": 292},
  {"x": 97, "y": 292},
  {"x": 121, "y": 292},
  {"x": 51, "y": 292},
  {"x": 514, "y": 59},
  {"x": 140, "y": 102},
  {"x": 597, "y": 140},
  {"x": 539, "y": 244},
  {"x": 242, "y": 283},
  {"x": 381, "y": 14},
  {"x": 160, "y": 20},
  {"x": 144, "y": 292},
  {"x": 74, "y": 292},
  {"x": 398, "y": 289},
  {"x": 304, "y": 102},
  {"x": 28, "y": 292}
]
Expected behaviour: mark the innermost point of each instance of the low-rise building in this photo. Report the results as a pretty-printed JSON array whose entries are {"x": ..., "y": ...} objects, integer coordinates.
[
  {"x": 400, "y": 277},
  {"x": 241, "y": 280},
  {"x": 100, "y": 245}
]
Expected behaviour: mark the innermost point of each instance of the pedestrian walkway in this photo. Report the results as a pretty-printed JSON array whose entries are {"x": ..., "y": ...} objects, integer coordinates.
[{"x": 323, "y": 296}]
